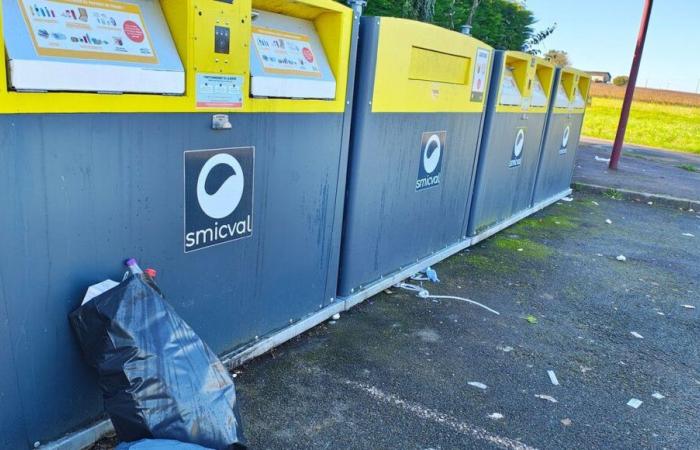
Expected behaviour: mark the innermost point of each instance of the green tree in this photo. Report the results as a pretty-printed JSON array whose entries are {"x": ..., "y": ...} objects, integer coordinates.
[
  {"x": 558, "y": 57},
  {"x": 622, "y": 80},
  {"x": 503, "y": 24}
]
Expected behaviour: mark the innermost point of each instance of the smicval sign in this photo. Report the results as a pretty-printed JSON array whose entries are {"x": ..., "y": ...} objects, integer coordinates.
[
  {"x": 432, "y": 151},
  {"x": 218, "y": 196}
]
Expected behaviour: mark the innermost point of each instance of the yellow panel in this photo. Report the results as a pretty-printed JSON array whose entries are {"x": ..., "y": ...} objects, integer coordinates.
[
  {"x": 429, "y": 65},
  {"x": 193, "y": 37},
  {"x": 525, "y": 68},
  {"x": 394, "y": 88}
]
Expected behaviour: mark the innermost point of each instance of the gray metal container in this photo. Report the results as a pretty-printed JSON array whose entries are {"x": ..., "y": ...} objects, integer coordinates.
[
  {"x": 409, "y": 181},
  {"x": 508, "y": 160}
]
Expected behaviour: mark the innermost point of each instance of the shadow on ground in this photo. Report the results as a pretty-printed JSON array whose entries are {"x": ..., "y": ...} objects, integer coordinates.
[{"x": 393, "y": 373}]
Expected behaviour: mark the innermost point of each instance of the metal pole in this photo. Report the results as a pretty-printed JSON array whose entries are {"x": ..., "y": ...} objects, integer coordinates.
[{"x": 627, "y": 104}]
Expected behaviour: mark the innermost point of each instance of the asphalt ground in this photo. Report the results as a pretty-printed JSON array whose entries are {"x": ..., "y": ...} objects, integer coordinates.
[
  {"x": 641, "y": 169},
  {"x": 394, "y": 372}
]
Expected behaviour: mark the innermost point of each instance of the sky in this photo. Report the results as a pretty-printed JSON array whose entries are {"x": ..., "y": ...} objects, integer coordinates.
[{"x": 600, "y": 35}]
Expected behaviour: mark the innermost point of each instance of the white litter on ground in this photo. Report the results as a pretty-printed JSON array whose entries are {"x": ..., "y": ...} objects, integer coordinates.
[
  {"x": 336, "y": 316},
  {"x": 476, "y": 384},
  {"x": 688, "y": 235},
  {"x": 622, "y": 258},
  {"x": 689, "y": 306},
  {"x": 658, "y": 396},
  {"x": 637, "y": 335},
  {"x": 608, "y": 221},
  {"x": 634, "y": 403},
  {"x": 553, "y": 377},
  {"x": 599, "y": 159},
  {"x": 506, "y": 349},
  {"x": 567, "y": 199},
  {"x": 566, "y": 422},
  {"x": 595, "y": 202},
  {"x": 388, "y": 291},
  {"x": 660, "y": 313},
  {"x": 424, "y": 293},
  {"x": 495, "y": 416},
  {"x": 650, "y": 203},
  {"x": 585, "y": 369},
  {"x": 549, "y": 398}
]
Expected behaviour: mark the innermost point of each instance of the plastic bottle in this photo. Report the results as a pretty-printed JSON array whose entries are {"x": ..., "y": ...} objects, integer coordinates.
[{"x": 133, "y": 266}]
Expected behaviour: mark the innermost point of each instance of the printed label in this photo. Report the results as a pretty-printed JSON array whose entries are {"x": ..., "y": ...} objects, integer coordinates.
[
  {"x": 481, "y": 68},
  {"x": 218, "y": 196},
  {"x": 282, "y": 52},
  {"x": 102, "y": 30},
  {"x": 219, "y": 91}
]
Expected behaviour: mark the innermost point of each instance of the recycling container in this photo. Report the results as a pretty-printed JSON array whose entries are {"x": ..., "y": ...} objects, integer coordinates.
[
  {"x": 562, "y": 135},
  {"x": 510, "y": 147},
  {"x": 207, "y": 139},
  {"x": 420, "y": 95}
]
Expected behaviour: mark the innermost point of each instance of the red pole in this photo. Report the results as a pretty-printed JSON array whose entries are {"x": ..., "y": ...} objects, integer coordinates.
[{"x": 627, "y": 104}]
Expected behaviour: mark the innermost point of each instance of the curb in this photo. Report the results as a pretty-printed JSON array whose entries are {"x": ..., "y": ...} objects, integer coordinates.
[{"x": 667, "y": 200}]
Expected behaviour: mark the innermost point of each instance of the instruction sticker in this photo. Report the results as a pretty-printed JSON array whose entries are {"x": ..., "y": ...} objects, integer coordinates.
[
  {"x": 481, "y": 68},
  {"x": 219, "y": 91},
  {"x": 102, "y": 30},
  {"x": 282, "y": 52}
]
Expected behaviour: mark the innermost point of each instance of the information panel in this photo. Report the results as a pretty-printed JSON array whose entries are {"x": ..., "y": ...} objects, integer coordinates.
[
  {"x": 107, "y": 30},
  {"x": 285, "y": 53}
]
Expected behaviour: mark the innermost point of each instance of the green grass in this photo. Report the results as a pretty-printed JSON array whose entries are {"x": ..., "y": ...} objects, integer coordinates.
[
  {"x": 613, "y": 194},
  {"x": 689, "y": 167},
  {"x": 655, "y": 125}
]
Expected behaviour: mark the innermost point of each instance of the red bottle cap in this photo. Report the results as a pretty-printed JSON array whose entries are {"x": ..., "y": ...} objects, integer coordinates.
[{"x": 151, "y": 273}]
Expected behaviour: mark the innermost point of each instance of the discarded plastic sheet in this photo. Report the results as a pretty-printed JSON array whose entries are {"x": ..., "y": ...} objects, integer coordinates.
[
  {"x": 506, "y": 349},
  {"x": 688, "y": 234},
  {"x": 567, "y": 199},
  {"x": 477, "y": 384},
  {"x": 566, "y": 422},
  {"x": 608, "y": 221},
  {"x": 97, "y": 289},
  {"x": 637, "y": 335},
  {"x": 634, "y": 403},
  {"x": 553, "y": 377},
  {"x": 549, "y": 398},
  {"x": 495, "y": 416},
  {"x": 336, "y": 316},
  {"x": 152, "y": 367},
  {"x": 599, "y": 159},
  {"x": 621, "y": 258},
  {"x": 689, "y": 306},
  {"x": 658, "y": 396}
]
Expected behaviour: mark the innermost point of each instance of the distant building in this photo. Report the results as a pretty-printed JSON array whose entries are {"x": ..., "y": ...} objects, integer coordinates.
[{"x": 600, "y": 77}]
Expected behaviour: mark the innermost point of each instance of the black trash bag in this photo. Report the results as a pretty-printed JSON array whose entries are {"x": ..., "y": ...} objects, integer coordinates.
[{"x": 158, "y": 379}]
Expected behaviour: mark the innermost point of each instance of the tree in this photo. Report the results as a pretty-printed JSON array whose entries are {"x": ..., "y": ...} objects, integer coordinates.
[
  {"x": 622, "y": 80},
  {"x": 503, "y": 24},
  {"x": 558, "y": 57}
]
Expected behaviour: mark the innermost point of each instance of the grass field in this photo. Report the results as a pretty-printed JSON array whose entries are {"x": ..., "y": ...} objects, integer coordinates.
[{"x": 661, "y": 125}]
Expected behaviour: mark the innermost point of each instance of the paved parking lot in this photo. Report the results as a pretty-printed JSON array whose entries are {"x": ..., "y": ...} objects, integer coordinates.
[{"x": 394, "y": 372}]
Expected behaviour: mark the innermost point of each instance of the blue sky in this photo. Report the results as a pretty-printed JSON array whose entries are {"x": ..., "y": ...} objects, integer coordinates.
[{"x": 601, "y": 35}]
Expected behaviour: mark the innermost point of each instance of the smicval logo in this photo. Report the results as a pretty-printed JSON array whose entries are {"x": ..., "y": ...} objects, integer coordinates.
[
  {"x": 430, "y": 167},
  {"x": 218, "y": 196},
  {"x": 225, "y": 200},
  {"x": 565, "y": 140},
  {"x": 516, "y": 157}
]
